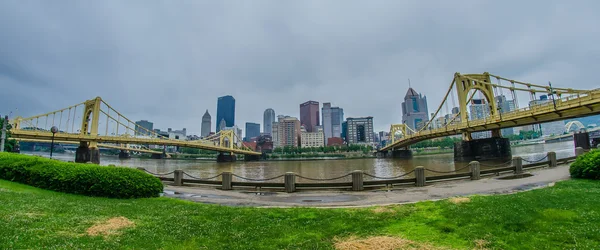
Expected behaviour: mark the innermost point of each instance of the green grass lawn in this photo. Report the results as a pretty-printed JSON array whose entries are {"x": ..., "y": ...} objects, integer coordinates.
[{"x": 564, "y": 216}]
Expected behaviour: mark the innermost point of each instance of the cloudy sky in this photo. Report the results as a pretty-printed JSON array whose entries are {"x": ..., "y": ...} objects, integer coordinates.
[{"x": 168, "y": 61}]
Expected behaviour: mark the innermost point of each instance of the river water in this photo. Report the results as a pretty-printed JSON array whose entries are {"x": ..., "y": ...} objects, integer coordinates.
[{"x": 323, "y": 169}]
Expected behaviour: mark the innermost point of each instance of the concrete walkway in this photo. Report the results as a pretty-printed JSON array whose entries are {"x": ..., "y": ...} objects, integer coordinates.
[{"x": 397, "y": 195}]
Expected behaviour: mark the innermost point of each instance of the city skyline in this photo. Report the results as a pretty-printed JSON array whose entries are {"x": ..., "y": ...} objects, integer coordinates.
[{"x": 153, "y": 74}]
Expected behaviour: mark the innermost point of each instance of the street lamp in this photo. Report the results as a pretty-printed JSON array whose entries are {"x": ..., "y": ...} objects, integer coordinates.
[{"x": 54, "y": 129}]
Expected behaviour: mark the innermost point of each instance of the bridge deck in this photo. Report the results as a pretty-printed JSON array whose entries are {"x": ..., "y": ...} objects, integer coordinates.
[
  {"x": 42, "y": 135},
  {"x": 565, "y": 108}
]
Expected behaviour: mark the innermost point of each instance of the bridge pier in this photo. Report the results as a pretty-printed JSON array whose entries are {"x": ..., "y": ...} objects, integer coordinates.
[
  {"x": 157, "y": 156},
  {"x": 495, "y": 148},
  {"x": 401, "y": 154},
  {"x": 229, "y": 157},
  {"x": 85, "y": 154},
  {"x": 582, "y": 140},
  {"x": 252, "y": 157},
  {"x": 124, "y": 154}
]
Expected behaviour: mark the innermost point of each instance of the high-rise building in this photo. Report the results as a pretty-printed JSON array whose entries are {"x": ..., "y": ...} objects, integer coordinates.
[
  {"x": 312, "y": 139},
  {"x": 360, "y": 130},
  {"x": 309, "y": 115},
  {"x": 221, "y": 125},
  {"x": 337, "y": 117},
  {"x": 548, "y": 128},
  {"x": 225, "y": 111},
  {"x": 252, "y": 130},
  {"x": 205, "y": 124},
  {"x": 288, "y": 131},
  {"x": 332, "y": 120},
  {"x": 268, "y": 119},
  {"x": 479, "y": 109},
  {"x": 504, "y": 106},
  {"x": 344, "y": 131},
  {"x": 414, "y": 110},
  {"x": 143, "y": 127}
]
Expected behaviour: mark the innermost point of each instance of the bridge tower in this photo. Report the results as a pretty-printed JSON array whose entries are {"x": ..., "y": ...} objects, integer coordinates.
[
  {"x": 227, "y": 139},
  {"x": 495, "y": 147},
  {"x": 88, "y": 150},
  {"x": 405, "y": 152}
]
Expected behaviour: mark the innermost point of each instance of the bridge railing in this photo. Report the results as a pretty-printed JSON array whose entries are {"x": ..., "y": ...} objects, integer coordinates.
[{"x": 355, "y": 180}]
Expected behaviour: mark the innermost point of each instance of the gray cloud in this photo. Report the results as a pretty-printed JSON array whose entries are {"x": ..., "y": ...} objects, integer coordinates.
[{"x": 169, "y": 61}]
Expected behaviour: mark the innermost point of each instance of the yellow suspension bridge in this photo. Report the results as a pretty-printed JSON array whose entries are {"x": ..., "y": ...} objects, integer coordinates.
[
  {"x": 94, "y": 123},
  {"x": 565, "y": 103}
]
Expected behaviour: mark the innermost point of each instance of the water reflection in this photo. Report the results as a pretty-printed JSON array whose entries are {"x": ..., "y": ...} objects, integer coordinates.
[{"x": 323, "y": 169}]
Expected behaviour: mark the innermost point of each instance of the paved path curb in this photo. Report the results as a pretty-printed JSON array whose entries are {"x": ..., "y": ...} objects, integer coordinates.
[{"x": 398, "y": 195}]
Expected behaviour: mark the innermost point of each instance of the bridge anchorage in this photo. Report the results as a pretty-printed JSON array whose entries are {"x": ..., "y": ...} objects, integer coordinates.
[
  {"x": 94, "y": 124},
  {"x": 481, "y": 121}
]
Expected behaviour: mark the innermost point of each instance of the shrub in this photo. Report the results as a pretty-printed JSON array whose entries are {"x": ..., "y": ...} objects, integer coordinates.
[
  {"x": 587, "y": 166},
  {"x": 76, "y": 178}
]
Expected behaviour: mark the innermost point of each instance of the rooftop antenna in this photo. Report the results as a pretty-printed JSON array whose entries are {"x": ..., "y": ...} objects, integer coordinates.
[{"x": 409, "y": 83}]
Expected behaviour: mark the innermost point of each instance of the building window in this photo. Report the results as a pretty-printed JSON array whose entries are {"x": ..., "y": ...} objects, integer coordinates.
[{"x": 415, "y": 104}]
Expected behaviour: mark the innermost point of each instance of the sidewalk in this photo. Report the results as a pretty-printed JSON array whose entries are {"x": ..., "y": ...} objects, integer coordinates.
[{"x": 336, "y": 198}]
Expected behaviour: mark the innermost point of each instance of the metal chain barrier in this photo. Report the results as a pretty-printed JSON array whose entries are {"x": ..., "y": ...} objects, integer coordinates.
[
  {"x": 543, "y": 158},
  {"x": 495, "y": 165},
  {"x": 317, "y": 179},
  {"x": 390, "y": 178},
  {"x": 202, "y": 179},
  {"x": 158, "y": 174},
  {"x": 448, "y": 172},
  {"x": 250, "y": 179}
]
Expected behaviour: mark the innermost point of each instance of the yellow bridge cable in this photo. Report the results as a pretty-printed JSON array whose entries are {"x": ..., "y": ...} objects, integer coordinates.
[
  {"x": 51, "y": 113},
  {"x": 568, "y": 90},
  {"x": 440, "y": 107}
]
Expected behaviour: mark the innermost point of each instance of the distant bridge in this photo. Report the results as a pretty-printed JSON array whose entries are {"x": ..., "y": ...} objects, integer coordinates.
[{"x": 118, "y": 129}]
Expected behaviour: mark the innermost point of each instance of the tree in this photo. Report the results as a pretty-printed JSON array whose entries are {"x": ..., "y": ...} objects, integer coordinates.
[{"x": 9, "y": 144}]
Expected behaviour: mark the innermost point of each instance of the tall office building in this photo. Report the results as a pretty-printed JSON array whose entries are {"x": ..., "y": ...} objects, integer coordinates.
[
  {"x": 309, "y": 115},
  {"x": 332, "y": 120},
  {"x": 143, "y": 127},
  {"x": 252, "y": 130},
  {"x": 414, "y": 110},
  {"x": 337, "y": 117},
  {"x": 312, "y": 139},
  {"x": 268, "y": 120},
  {"x": 205, "y": 124},
  {"x": 288, "y": 131},
  {"x": 479, "y": 109},
  {"x": 504, "y": 106},
  {"x": 360, "y": 130},
  {"x": 225, "y": 111}
]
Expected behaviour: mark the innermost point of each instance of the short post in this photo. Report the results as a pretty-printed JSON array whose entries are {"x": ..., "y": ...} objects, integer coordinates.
[
  {"x": 579, "y": 151},
  {"x": 290, "y": 182},
  {"x": 517, "y": 162},
  {"x": 178, "y": 178},
  {"x": 475, "y": 170},
  {"x": 226, "y": 183},
  {"x": 357, "y": 180},
  {"x": 552, "y": 159},
  {"x": 420, "y": 176}
]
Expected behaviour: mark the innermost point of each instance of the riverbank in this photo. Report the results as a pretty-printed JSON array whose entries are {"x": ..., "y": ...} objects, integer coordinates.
[{"x": 558, "y": 217}]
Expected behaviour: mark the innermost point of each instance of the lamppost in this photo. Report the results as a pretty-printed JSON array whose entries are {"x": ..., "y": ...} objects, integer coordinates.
[{"x": 54, "y": 129}]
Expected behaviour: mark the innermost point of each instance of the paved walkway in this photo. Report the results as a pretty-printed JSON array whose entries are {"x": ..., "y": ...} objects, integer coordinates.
[{"x": 397, "y": 195}]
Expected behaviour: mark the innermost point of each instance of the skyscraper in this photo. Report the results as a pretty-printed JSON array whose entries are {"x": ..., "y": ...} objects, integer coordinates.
[
  {"x": 205, "y": 124},
  {"x": 337, "y": 117},
  {"x": 332, "y": 120},
  {"x": 414, "y": 110},
  {"x": 309, "y": 115},
  {"x": 252, "y": 130},
  {"x": 479, "y": 109},
  {"x": 143, "y": 127},
  {"x": 288, "y": 131},
  {"x": 504, "y": 106},
  {"x": 360, "y": 130},
  {"x": 225, "y": 111},
  {"x": 268, "y": 119}
]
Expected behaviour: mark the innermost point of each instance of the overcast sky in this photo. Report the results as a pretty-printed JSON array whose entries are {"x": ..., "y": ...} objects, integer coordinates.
[{"x": 168, "y": 61}]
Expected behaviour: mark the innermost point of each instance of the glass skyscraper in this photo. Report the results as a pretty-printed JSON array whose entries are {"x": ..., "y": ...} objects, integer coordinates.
[{"x": 225, "y": 111}]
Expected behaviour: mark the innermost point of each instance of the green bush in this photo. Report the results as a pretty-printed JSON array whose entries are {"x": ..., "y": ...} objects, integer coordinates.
[
  {"x": 587, "y": 166},
  {"x": 75, "y": 178}
]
